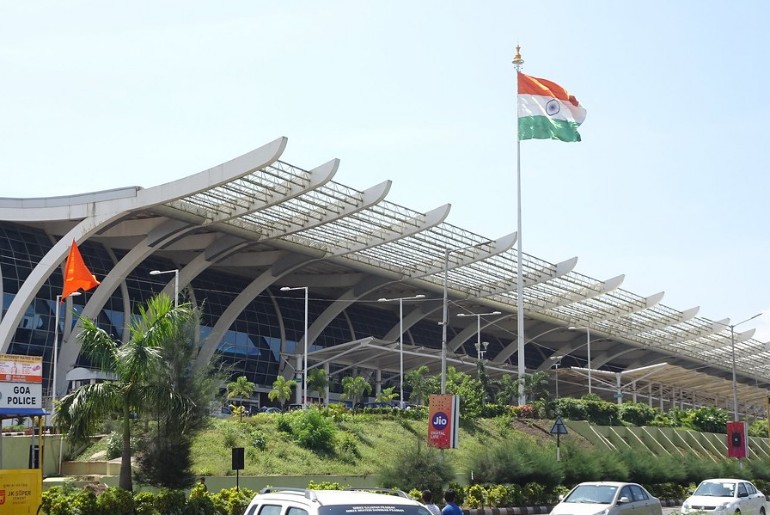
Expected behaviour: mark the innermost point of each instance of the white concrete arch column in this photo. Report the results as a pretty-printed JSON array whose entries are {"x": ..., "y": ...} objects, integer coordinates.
[
  {"x": 43, "y": 270},
  {"x": 217, "y": 251},
  {"x": 414, "y": 315},
  {"x": 363, "y": 288},
  {"x": 249, "y": 293},
  {"x": 156, "y": 238},
  {"x": 460, "y": 338}
]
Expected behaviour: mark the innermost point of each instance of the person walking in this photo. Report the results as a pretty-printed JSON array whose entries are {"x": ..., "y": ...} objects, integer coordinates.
[
  {"x": 451, "y": 507},
  {"x": 427, "y": 500}
]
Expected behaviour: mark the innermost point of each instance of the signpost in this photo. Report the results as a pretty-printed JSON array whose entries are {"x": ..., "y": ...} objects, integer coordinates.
[
  {"x": 558, "y": 429},
  {"x": 21, "y": 394}
]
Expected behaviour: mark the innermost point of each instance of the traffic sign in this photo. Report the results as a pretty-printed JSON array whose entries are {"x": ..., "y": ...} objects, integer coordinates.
[{"x": 558, "y": 427}]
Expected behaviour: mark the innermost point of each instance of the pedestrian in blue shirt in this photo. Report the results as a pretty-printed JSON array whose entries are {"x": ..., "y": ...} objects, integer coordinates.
[{"x": 451, "y": 507}]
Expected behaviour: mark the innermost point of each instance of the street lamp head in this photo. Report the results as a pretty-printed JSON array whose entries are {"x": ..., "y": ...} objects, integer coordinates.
[
  {"x": 155, "y": 272},
  {"x": 285, "y": 288}
]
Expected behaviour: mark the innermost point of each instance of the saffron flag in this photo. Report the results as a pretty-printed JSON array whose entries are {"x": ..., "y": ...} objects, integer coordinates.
[
  {"x": 76, "y": 274},
  {"x": 547, "y": 111}
]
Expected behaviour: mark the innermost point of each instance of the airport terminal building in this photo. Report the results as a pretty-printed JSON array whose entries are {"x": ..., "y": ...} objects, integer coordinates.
[{"x": 282, "y": 259}]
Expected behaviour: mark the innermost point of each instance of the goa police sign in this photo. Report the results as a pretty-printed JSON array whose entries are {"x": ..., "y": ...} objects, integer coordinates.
[
  {"x": 443, "y": 421},
  {"x": 21, "y": 382},
  {"x": 21, "y": 395}
]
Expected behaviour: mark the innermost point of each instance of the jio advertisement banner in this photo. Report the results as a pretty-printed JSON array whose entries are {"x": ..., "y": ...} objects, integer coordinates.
[{"x": 443, "y": 421}]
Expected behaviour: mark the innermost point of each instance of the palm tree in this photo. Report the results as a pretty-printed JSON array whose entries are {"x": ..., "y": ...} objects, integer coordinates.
[
  {"x": 135, "y": 365},
  {"x": 354, "y": 388},
  {"x": 241, "y": 387},
  {"x": 421, "y": 386},
  {"x": 317, "y": 381},
  {"x": 387, "y": 395},
  {"x": 281, "y": 390}
]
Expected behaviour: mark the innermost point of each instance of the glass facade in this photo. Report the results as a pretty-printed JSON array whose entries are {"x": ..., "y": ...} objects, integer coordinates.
[{"x": 252, "y": 344}]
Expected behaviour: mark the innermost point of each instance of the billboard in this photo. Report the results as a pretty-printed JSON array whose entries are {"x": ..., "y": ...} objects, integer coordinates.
[
  {"x": 21, "y": 491},
  {"x": 21, "y": 369},
  {"x": 443, "y": 421},
  {"x": 21, "y": 384}
]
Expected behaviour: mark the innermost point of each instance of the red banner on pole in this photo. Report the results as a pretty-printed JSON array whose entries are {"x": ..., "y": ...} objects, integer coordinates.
[{"x": 736, "y": 439}]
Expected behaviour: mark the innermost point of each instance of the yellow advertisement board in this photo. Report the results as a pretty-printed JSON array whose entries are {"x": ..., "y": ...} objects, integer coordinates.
[{"x": 21, "y": 491}]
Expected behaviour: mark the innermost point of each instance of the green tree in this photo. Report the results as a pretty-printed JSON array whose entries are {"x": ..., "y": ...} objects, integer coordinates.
[
  {"x": 507, "y": 389},
  {"x": 354, "y": 389},
  {"x": 317, "y": 381},
  {"x": 281, "y": 390},
  {"x": 536, "y": 386},
  {"x": 387, "y": 395},
  {"x": 134, "y": 365},
  {"x": 164, "y": 452},
  {"x": 421, "y": 385},
  {"x": 241, "y": 387}
]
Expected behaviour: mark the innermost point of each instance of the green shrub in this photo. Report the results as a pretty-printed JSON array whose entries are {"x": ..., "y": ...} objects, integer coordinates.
[
  {"x": 116, "y": 501},
  {"x": 230, "y": 501},
  {"x": 114, "y": 446},
  {"x": 475, "y": 496},
  {"x": 423, "y": 468},
  {"x": 144, "y": 504},
  {"x": 313, "y": 431},
  {"x": 516, "y": 460},
  {"x": 347, "y": 448},
  {"x": 602, "y": 413},
  {"x": 258, "y": 439},
  {"x": 284, "y": 423},
  {"x": 230, "y": 436},
  {"x": 325, "y": 485},
  {"x": 709, "y": 419},
  {"x": 758, "y": 428},
  {"x": 637, "y": 413},
  {"x": 498, "y": 496}
]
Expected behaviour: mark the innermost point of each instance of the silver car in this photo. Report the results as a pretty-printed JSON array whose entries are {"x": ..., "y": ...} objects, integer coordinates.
[
  {"x": 726, "y": 497},
  {"x": 608, "y": 498}
]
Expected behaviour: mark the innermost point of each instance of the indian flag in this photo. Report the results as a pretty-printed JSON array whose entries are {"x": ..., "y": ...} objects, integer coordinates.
[{"x": 547, "y": 111}]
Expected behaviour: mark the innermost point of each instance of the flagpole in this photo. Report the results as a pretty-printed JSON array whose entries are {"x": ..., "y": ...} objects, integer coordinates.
[{"x": 521, "y": 366}]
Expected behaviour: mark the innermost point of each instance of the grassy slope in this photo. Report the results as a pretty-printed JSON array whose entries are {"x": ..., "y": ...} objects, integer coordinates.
[{"x": 377, "y": 439}]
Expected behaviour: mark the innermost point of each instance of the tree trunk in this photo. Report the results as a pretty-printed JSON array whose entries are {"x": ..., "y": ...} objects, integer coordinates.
[{"x": 126, "y": 481}]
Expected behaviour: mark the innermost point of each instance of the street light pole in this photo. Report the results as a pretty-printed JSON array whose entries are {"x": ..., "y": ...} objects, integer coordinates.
[
  {"x": 56, "y": 346},
  {"x": 732, "y": 346},
  {"x": 401, "y": 342},
  {"x": 176, "y": 282},
  {"x": 304, "y": 365},
  {"x": 588, "y": 346},
  {"x": 556, "y": 363},
  {"x": 478, "y": 326}
]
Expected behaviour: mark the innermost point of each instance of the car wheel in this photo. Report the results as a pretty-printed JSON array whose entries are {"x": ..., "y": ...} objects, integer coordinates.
[{"x": 762, "y": 511}]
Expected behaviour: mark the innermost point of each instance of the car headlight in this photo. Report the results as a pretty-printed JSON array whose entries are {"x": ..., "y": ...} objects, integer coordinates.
[
  {"x": 723, "y": 506},
  {"x": 605, "y": 511},
  {"x": 686, "y": 505}
]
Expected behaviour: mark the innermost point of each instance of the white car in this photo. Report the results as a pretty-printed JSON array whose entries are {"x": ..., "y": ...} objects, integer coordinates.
[
  {"x": 726, "y": 496},
  {"x": 608, "y": 498},
  {"x": 293, "y": 501}
]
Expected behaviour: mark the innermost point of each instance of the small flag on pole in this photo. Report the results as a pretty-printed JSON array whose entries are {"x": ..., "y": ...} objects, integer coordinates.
[
  {"x": 547, "y": 111},
  {"x": 76, "y": 274}
]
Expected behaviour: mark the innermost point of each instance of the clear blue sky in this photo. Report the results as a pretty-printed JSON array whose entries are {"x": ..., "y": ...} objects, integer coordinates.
[{"x": 669, "y": 185}]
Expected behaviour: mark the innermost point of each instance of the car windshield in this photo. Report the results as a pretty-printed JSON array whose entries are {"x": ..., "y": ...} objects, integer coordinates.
[
  {"x": 593, "y": 494},
  {"x": 373, "y": 509},
  {"x": 715, "y": 489}
]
